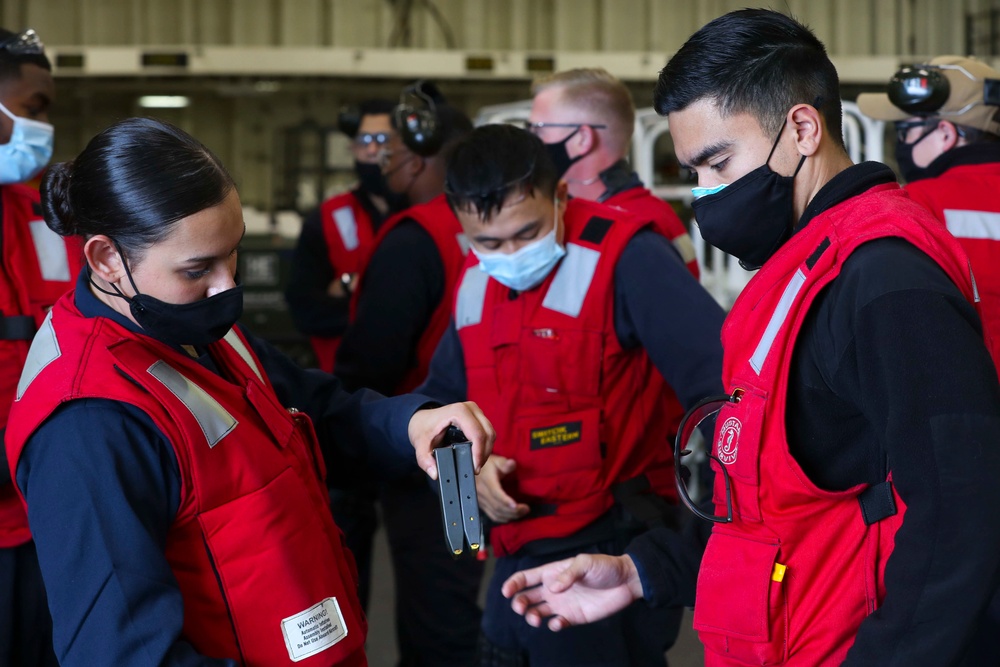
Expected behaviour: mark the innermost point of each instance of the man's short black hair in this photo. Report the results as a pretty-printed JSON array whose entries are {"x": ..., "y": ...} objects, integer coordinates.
[
  {"x": 10, "y": 63},
  {"x": 494, "y": 162},
  {"x": 754, "y": 61},
  {"x": 376, "y": 107}
]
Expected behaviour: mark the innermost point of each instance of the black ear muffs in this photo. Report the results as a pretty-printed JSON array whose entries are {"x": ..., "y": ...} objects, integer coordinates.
[
  {"x": 349, "y": 120},
  {"x": 419, "y": 128},
  {"x": 920, "y": 91}
]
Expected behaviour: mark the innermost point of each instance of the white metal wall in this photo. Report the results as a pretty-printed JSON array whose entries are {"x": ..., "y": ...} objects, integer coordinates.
[{"x": 848, "y": 27}]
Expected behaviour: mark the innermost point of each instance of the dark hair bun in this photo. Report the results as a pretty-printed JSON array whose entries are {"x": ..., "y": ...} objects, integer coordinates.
[{"x": 56, "y": 205}]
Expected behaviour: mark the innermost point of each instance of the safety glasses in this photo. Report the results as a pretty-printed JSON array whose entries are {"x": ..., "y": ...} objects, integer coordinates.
[
  {"x": 702, "y": 410},
  {"x": 536, "y": 128}
]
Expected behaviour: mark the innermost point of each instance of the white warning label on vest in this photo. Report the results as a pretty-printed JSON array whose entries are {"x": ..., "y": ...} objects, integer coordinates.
[{"x": 316, "y": 629}]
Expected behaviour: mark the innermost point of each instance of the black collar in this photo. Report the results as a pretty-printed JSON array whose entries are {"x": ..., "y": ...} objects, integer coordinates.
[
  {"x": 851, "y": 182},
  {"x": 982, "y": 153},
  {"x": 619, "y": 177}
]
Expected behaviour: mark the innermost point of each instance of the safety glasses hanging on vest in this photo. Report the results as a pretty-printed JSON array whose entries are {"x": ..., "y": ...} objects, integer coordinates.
[{"x": 702, "y": 410}]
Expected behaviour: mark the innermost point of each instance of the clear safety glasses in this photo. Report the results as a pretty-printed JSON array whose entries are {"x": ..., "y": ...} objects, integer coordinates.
[{"x": 704, "y": 409}]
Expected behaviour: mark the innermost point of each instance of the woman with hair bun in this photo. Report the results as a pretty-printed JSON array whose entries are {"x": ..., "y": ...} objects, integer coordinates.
[{"x": 172, "y": 464}]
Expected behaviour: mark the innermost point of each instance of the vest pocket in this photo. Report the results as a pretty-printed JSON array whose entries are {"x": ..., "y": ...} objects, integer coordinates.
[
  {"x": 278, "y": 556},
  {"x": 561, "y": 362},
  {"x": 558, "y": 455},
  {"x": 738, "y": 435},
  {"x": 740, "y": 610}
]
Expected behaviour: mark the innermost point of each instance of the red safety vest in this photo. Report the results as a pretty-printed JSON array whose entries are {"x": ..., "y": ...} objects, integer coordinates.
[
  {"x": 438, "y": 220},
  {"x": 793, "y": 576},
  {"x": 576, "y": 411},
  {"x": 965, "y": 199},
  {"x": 38, "y": 267},
  {"x": 349, "y": 232},
  {"x": 261, "y": 566},
  {"x": 644, "y": 205}
]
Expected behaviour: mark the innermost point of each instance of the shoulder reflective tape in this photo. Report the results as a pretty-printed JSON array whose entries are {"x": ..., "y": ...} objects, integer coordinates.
[
  {"x": 778, "y": 318},
  {"x": 347, "y": 226},
  {"x": 44, "y": 350},
  {"x": 242, "y": 350},
  {"x": 463, "y": 243},
  {"x": 213, "y": 419},
  {"x": 973, "y": 224},
  {"x": 471, "y": 296},
  {"x": 51, "y": 251},
  {"x": 573, "y": 277},
  {"x": 685, "y": 247}
]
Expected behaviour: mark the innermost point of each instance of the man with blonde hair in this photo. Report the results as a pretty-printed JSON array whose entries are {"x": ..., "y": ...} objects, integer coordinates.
[{"x": 586, "y": 117}]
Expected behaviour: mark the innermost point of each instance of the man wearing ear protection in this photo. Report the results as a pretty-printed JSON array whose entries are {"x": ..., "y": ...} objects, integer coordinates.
[
  {"x": 399, "y": 309},
  {"x": 848, "y": 526},
  {"x": 581, "y": 333},
  {"x": 947, "y": 118},
  {"x": 38, "y": 266},
  {"x": 338, "y": 235},
  {"x": 586, "y": 118}
]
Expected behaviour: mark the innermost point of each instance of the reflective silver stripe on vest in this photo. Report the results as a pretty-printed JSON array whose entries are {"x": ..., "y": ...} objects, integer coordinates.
[
  {"x": 685, "y": 247},
  {"x": 242, "y": 350},
  {"x": 463, "y": 243},
  {"x": 44, "y": 350},
  {"x": 347, "y": 227},
  {"x": 973, "y": 224},
  {"x": 213, "y": 419},
  {"x": 471, "y": 296},
  {"x": 777, "y": 319},
  {"x": 51, "y": 251},
  {"x": 569, "y": 287}
]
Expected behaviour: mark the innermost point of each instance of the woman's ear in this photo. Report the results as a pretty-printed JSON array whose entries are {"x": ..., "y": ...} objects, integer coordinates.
[{"x": 103, "y": 258}]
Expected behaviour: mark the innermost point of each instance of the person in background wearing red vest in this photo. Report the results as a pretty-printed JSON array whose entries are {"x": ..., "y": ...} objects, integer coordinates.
[
  {"x": 38, "y": 266},
  {"x": 586, "y": 118},
  {"x": 335, "y": 239},
  {"x": 947, "y": 118},
  {"x": 849, "y": 526},
  {"x": 580, "y": 332},
  {"x": 401, "y": 306},
  {"x": 337, "y": 236},
  {"x": 171, "y": 463}
]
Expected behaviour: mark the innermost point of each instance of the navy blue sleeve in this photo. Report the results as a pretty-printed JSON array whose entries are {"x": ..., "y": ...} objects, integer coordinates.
[
  {"x": 446, "y": 381},
  {"x": 660, "y": 306},
  {"x": 355, "y": 429},
  {"x": 313, "y": 310},
  {"x": 668, "y": 560},
  {"x": 400, "y": 289},
  {"x": 102, "y": 487}
]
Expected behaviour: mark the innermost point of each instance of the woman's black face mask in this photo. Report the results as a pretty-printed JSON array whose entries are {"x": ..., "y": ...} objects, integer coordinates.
[{"x": 198, "y": 323}]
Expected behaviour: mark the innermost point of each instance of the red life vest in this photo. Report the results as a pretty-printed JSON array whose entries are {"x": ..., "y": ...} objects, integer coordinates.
[
  {"x": 790, "y": 580},
  {"x": 439, "y": 221},
  {"x": 576, "y": 411},
  {"x": 38, "y": 267},
  {"x": 646, "y": 206},
  {"x": 260, "y": 564},
  {"x": 964, "y": 199},
  {"x": 349, "y": 232}
]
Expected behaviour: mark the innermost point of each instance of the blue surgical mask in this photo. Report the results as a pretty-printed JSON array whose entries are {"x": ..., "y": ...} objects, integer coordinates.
[
  {"x": 527, "y": 267},
  {"x": 27, "y": 152},
  {"x": 699, "y": 192}
]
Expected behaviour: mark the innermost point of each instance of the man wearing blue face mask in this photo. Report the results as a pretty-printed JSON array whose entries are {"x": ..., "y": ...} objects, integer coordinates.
[
  {"x": 38, "y": 266},
  {"x": 582, "y": 334}
]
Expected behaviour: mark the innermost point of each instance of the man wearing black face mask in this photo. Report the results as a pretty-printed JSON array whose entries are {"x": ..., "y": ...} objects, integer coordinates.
[
  {"x": 337, "y": 235},
  {"x": 947, "y": 117},
  {"x": 586, "y": 118},
  {"x": 845, "y": 529}
]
